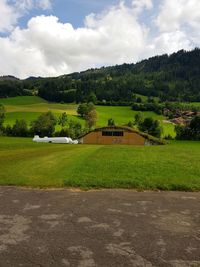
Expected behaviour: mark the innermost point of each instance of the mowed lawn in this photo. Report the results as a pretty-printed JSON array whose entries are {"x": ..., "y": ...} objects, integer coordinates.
[
  {"x": 175, "y": 166},
  {"x": 30, "y": 107}
]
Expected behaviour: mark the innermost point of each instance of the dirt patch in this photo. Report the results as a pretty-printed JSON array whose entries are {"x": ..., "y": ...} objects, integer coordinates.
[{"x": 13, "y": 230}]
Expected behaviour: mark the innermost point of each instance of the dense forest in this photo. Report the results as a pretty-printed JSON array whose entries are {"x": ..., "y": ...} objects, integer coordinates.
[{"x": 174, "y": 77}]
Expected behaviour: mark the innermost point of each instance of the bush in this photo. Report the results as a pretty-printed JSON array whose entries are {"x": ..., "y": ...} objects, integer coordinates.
[
  {"x": 85, "y": 108},
  {"x": 155, "y": 107},
  {"x": 44, "y": 125},
  {"x": 168, "y": 137},
  {"x": 189, "y": 132},
  {"x": 111, "y": 122},
  {"x": 2, "y": 115},
  {"x": 138, "y": 118},
  {"x": 65, "y": 132},
  {"x": 91, "y": 119},
  {"x": 130, "y": 124},
  {"x": 62, "y": 120},
  {"x": 20, "y": 128},
  {"x": 75, "y": 129},
  {"x": 151, "y": 126},
  {"x": 8, "y": 130}
]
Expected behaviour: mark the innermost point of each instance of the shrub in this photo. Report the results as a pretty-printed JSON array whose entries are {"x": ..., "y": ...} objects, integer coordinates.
[
  {"x": 91, "y": 119},
  {"x": 189, "y": 132},
  {"x": 44, "y": 125},
  {"x": 111, "y": 122},
  {"x": 151, "y": 126},
  {"x": 20, "y": 128},
  {"x": 84, "y": 108}
]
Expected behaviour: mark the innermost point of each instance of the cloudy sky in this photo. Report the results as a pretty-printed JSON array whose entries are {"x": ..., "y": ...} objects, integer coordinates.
[{"x": 54, "y": 37}]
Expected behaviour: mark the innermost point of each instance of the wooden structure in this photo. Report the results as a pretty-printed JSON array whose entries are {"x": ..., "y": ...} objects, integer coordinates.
[{"x": 122, "y": 135}]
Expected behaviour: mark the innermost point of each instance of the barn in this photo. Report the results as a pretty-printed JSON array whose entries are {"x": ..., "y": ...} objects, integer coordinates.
[{"x": 123, "y": 135}]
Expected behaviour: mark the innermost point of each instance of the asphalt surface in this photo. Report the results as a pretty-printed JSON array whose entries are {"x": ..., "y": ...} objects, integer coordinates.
[{"x": 99, "y": 228}]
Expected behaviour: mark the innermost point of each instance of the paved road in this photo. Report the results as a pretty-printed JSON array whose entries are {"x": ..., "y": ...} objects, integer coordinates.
[{"x": 98, "y": 228}]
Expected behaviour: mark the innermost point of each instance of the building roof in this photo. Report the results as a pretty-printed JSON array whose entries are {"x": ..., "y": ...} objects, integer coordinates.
[{"x": 128, "y": 129}]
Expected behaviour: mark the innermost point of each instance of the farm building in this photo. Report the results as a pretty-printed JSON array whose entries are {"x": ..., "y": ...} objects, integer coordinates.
[{"x": 118, "y": 135}]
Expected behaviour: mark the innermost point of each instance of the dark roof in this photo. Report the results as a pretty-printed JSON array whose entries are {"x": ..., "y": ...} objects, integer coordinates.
[{"x": 128, "y": 129}]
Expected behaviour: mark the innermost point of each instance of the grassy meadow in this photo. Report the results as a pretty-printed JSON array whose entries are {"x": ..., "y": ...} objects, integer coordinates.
[
  {"x": 30, "y": 107},
  {"x": 171, "y": 167}
]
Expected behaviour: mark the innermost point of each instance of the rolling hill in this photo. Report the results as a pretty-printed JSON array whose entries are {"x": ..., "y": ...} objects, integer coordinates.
[{"x": 173, "y": 77}]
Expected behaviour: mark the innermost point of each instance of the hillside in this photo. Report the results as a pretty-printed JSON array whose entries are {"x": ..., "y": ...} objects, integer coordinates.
[{"x": 170, "y": 78}]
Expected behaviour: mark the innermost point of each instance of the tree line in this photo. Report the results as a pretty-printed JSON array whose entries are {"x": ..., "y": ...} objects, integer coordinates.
[
  {"x": 45, "y": 124},
  {"x": 170, "y": 78}
]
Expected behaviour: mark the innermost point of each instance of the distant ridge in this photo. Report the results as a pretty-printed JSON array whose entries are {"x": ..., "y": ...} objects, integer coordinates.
[
  {"x": 8, "y": 78},
  {"x": 32, "y": 78}
]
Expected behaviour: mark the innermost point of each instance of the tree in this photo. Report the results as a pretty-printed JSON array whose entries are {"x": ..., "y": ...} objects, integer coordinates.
[
  {"x": 92, "y": 98},
  {"x": 138, "y": 118},
  {"x": 64, "y": 132},
  {"x": 62, "y": 120},
  {"x": 82, "y": 109},
  {"x": 20, "y": 128},
  {"x": 44, "y": 125},
  {"x": 85, "y": 108},
  {"x": 8, "y": 130},
  {"x": 2, "y": 115},
  {"x": 195, "y": 126},
  {"x": 151, "y": 126},
  {"x": 130, "y": 124},
  {"x": 189, "y": 132},
  {"x": 111, "y": 122},
  {"x": 75, "y": 129},
  {"x": 91, "y": 119}
]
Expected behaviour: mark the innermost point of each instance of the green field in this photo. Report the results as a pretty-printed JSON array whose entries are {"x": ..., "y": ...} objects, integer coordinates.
[
  {"x": 30, "y": 107},
  {"x": 170, "y": 167},
  {"x": 22, "y": 100}
]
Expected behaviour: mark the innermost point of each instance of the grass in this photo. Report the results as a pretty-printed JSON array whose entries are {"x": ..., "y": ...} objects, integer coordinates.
[
  {"x": 192, "y": 104},
  {"x": 30, "y": 107},
  {"x": 145, "y": 98},
  {"x": 28, "y": 116},
  {"x": 170, "y": 167},
  {"x": 22, "y": 100},
  {"x": 121, "y": 115},
  {"x": 168, "y": 129}
]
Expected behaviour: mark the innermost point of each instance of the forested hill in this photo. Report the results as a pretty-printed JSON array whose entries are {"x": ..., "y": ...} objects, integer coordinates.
[{"x": 171, "y": 78}]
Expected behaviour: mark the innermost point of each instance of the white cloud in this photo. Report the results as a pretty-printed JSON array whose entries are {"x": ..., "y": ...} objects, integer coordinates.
[
  {"x": 48, "y": 47},
  {"x": 180, "y": 19},
  {"x": 171, "y": 42},
  {"x": 139, "y": 5},
  {"x": 174, "y": 15},
  {"x": 29, "y": 4},
  {"x": 11, "y": 11},
  {"x": 8, "y": 16}
]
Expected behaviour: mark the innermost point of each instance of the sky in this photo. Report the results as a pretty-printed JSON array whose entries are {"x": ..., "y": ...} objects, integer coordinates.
[{"x": 54, "y": 37}]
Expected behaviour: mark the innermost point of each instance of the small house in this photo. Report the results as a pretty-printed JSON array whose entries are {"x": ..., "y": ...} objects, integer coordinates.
[{"x": 113, "y": 135}]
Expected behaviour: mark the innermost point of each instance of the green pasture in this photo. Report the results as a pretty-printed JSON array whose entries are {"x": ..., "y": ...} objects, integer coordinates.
[
  {"x": 170, "y": 167},
  {"x": 192, "y": 104},
  {"x": 22, "y": 100},
  {"x": 30, "y": 107},
  {"x": 145, "y": 98},
  {"x": 121, "y": 115}
]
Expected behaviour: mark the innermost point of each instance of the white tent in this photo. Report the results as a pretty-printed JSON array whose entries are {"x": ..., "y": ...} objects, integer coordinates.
[{"x": 57, "y": 140}]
